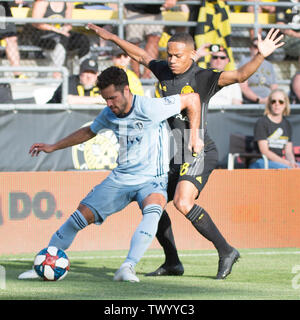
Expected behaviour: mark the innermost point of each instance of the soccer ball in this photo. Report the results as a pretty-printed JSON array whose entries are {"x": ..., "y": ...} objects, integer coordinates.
[{"x": 51, "y": 264}]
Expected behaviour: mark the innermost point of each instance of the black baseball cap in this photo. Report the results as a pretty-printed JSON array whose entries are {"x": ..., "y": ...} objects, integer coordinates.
[{"x": 89, "y": 65}]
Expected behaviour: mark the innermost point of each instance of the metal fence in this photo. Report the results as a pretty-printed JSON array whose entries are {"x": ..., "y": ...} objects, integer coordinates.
[{"x": 119, "y": 26}]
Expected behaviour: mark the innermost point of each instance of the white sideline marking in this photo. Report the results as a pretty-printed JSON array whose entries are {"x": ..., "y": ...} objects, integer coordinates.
[{"x": 159, "y": 255}]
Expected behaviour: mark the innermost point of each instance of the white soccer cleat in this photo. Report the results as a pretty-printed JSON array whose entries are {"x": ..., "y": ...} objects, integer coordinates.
[
  {"x": 126, "y": 273},
  {"x": 29, "y": 274}
]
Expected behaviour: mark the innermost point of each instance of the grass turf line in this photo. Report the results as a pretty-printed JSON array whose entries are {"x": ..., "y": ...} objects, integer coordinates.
[{"x": 260, "y": 274}]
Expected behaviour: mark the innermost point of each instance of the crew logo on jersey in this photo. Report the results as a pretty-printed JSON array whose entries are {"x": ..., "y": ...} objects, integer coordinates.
[
  {"x": 187, "y": 89},
  {"x": 138, "y": 125},
  {"x": 100, "y": 152}
]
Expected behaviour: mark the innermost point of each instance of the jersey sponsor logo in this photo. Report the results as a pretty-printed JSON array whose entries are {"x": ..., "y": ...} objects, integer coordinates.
[
  {"x": 98, "y": 153},
  {"x": 133, "y": 140},
  {"x": 187, "y": 89}
]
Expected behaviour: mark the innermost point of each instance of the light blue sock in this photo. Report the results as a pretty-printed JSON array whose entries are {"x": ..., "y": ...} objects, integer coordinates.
[
  {"x": 144, "y": 234},
  {"x": 65, "y": 235}
]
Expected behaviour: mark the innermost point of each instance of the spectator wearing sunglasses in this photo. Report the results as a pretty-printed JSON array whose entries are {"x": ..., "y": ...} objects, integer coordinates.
[
  {"x": 273, "y": 134},
  {"x": 229, "y": 95},
  {"x": 258, "y": 87}
]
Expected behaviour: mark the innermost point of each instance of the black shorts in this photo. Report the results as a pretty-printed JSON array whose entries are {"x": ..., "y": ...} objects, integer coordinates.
[
  {"x": 7, "y": 30},
  {"x": 195, "y": 169}
]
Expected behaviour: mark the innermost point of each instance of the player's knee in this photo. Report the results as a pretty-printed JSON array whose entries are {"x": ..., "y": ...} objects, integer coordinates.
[
  {"x": 87, "y": 213},
  {"x": 182, "y": 204}
]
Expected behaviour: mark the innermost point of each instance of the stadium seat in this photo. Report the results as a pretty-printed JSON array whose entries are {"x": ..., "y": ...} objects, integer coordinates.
[
  {"x": 242, "y": 149},
  {"x": 297, "y": 153}
]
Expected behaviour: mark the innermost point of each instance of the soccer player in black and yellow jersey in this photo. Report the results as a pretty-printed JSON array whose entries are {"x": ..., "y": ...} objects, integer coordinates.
[{"x": 180, "y": 74}]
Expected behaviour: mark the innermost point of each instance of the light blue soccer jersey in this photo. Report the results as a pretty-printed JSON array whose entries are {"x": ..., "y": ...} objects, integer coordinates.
[{"x": 143, "y": 138}]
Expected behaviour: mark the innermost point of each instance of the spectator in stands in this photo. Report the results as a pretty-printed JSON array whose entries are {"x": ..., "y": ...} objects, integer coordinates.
[
  {"x": 261, "y": 9},
  {"x": 273, "y": 133},
  {"x": 213, "y": 26},
  {"x": 136, "y": 33},
  {"x": 122, "y": 60},
  {"x": 57, "y": 39},
  {"x": 109, "y": 27},
  {"x": 295, "y": 89},
  {"x": 229, "y": 95},
  {"x": 8, "y": 32},
  {"x": 290, "y": 16},
  {"x": 82, "y": 88},
  {"x": 193, "y": 10},
  {"x": 258, "y": 87}
]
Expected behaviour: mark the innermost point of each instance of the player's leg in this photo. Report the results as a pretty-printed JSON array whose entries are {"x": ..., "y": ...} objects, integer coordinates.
[
  {"x": 142, "y": 237},
  {"x": 65, "y": 235},
  {"x": 191, "y": 182},
  {"x": 102, "y": 201},
  {"x": 9, "y": 32},
  {"x": 184, "y": 202},
  {"x": 152, "y": 198},
  {"x": 152, "y": 209},
  {"x": 12, "y": 53},
  {"x": 165, "y": 237}
]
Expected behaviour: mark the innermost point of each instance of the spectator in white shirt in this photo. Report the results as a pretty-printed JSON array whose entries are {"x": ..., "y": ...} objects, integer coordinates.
[{"x": 229, "y": 95}]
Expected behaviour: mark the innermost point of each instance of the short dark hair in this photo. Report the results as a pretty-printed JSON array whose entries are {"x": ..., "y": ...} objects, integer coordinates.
[
  {"x": 184, "y": 38},
  {"x": 112, "y": 75}
]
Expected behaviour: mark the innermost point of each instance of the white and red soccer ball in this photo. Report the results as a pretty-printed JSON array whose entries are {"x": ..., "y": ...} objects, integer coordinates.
[{"x": 51, "y": 264}]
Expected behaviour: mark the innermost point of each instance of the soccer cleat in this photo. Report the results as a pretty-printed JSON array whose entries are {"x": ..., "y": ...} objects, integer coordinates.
[
  {"x": 30, "y": 274},
  {"x": 126, "y": 273},
  {"x": 226, "y": 263},
  {"x": 165, "y": 270}
]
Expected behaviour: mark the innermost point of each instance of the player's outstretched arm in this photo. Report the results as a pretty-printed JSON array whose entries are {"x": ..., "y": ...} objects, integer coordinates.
[
  {"x": 265, "y": 48},
  {"x": 77, "y": 137},
  {"x": 136, "y": 53}
]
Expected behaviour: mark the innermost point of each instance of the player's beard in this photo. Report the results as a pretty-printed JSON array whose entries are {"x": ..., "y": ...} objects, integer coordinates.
[{"x": 121, "y": 109}]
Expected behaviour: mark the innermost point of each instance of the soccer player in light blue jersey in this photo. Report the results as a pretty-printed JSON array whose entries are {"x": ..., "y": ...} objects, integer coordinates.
[{"x": 143, "y": 163}]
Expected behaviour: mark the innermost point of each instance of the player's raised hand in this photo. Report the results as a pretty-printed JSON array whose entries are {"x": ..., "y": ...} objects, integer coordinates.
[
  {"x": 101, "y": 32},
  {"x": 270, "y": 43},
  {"x": 36, "y": 148}
]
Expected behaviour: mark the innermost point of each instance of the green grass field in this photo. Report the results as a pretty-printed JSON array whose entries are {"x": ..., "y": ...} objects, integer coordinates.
[{"x": 260, "y": 274}]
